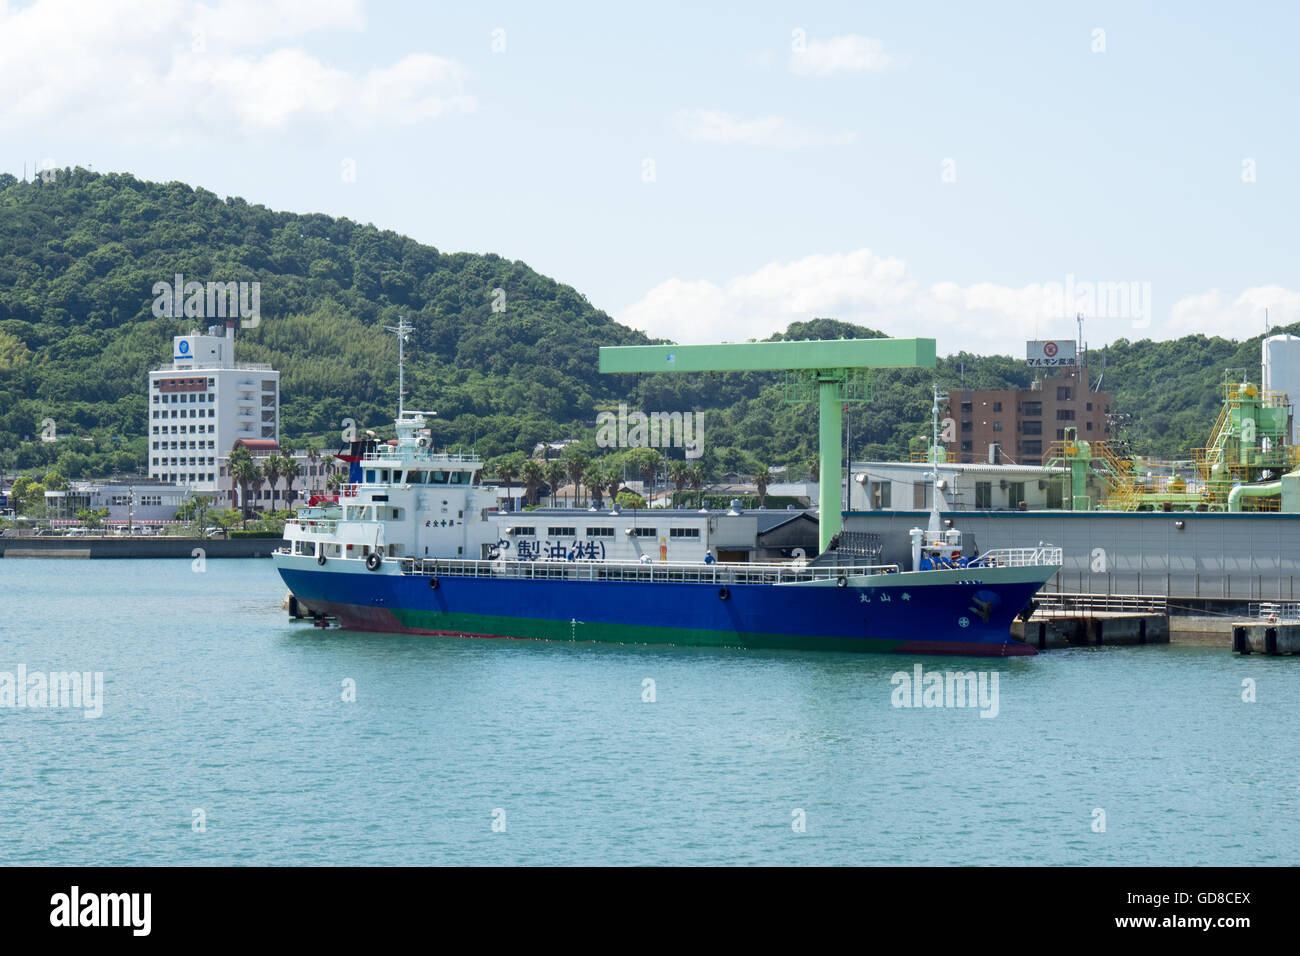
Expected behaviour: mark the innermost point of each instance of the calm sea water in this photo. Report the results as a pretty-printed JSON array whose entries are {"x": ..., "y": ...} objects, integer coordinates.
[{"x": 214, "y": 702}]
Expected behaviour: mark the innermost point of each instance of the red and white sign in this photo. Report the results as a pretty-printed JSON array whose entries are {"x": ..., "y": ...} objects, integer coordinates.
[{"x": 1052, "y": 353}]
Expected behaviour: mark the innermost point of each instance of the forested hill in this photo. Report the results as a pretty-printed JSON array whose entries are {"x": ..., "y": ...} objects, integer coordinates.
[{"x": 79, "y": 257}]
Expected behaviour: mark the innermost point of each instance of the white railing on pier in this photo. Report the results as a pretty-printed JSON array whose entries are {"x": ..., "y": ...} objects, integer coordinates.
[
  {"x": 1274, "y": 612},
  {"x": 1076, "y": 605},
  {"x": 1018, "y": 557}
]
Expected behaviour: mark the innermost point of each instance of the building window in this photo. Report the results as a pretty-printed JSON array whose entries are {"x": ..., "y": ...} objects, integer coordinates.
[
  {"x": 965, "y": 446},
  {"x": 1016, "y": 494},
  {"x": 681, "y": 532},
  {"x": 880, "y": 494},
  {"x": 562, "y": 532},
  {"x": 1062, "y": 393},
  {"x": 997, "y": 426},
  {"x": 921, "y": 495},
  {"x": 997, "y": 406},
  {"x": 1031, "y": 428},
  {"x": 644, "y": 532},
  {"x": 1065, "y": 414},
  {"x": 983, "y": 494},
  {"x": 1034, "y": 447},
  {"x": 1090, "y": 406},
  {"x": 965, "y": 406},
  {"x": 1031, "y": 409},
  {"x": 1089, "y": 427},
  {"x": 965, "y": 426}
]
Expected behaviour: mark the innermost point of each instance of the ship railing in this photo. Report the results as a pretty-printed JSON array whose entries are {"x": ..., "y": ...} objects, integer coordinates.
[
  {"x": 1274, "y": 611},
  {"x": 311, "y": 526},
  {"x": 423, "y": 454},
  {"x": 670, "y": 571},
  {"x": 349, "y": 490},
  {"x": 1018, "y": 557},
  {"x": 1076, "y": 604}
]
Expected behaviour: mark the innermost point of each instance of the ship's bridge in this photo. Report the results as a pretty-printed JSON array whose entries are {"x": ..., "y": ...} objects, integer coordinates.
[{"x": 411, "y": 460}]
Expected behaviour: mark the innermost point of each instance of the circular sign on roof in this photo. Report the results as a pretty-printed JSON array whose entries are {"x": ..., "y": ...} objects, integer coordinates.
[
  {"x": 184, "y": 347},
  {"x": 1050, "y": 349}
]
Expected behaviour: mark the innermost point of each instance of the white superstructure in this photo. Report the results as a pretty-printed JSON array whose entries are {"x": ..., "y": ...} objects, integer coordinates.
[{"x": 202, "y": 404}]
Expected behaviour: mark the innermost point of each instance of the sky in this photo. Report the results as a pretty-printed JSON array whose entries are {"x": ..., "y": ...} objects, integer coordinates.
[{"x": 975, "y": 173}]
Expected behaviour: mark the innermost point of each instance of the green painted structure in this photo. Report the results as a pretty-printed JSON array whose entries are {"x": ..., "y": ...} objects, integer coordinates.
[{"x": 831, "y": 370}]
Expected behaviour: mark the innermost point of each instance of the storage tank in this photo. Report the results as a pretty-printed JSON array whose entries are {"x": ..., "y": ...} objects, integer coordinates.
[{"x": 1281, "y": 368}]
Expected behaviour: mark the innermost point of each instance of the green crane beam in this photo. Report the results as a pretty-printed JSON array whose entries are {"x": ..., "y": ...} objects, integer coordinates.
[{"x": 828, "y": 363}]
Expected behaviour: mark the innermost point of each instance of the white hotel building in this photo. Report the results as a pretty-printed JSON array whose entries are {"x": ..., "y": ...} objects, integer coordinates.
[{"x": 203, "y": 404}]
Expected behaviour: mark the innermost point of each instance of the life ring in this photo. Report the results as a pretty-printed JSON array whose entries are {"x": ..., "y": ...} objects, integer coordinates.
[
  {"x": 320, "y": 559},
  {"x": 724, "y": 593},
  {"x": 433, "y": 584},
  {"x": 841, "y": 582},
  {"x": 373, "y": 561}
]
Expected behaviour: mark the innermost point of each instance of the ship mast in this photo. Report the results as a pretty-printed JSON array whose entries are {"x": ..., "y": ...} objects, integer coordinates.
[
  {"x": 403, "y": 331},
  {"x": 934, "y": 460}
]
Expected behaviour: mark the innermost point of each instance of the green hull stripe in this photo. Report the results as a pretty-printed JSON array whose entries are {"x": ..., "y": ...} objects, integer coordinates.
[{"x": 471, "y": 625}]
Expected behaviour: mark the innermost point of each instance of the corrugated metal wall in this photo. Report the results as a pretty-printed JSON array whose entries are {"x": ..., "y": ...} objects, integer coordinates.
[{"x": 1239, "y": 556}]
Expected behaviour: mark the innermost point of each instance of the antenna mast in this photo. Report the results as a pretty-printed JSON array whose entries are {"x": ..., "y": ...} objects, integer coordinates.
[{"x": 403, "y": 331}]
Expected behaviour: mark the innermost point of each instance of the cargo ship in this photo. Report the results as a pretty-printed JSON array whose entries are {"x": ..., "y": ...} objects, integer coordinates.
[{"x": 417, "y": 544}]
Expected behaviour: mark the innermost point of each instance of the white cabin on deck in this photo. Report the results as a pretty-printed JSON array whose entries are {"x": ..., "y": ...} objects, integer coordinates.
[{"x": 413, "y": 502}]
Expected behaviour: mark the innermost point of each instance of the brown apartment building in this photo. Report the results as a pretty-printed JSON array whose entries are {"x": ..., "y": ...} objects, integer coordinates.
[{"x": 1023, "y": 423}]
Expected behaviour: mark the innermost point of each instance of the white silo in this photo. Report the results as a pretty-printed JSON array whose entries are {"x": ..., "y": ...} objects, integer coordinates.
[{"x": 1281, "y": 368}]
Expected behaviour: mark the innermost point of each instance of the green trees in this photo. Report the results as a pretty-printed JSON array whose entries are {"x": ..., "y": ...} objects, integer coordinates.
[
  {"x": 575, "y": 463},
  {"x": 595, "y": 478},
  {"x": 553, "y": 471},
  {"x": 532, "y": 474},
  {"x": 245, "y": 474},
  {"x": 290, "y": 471},
  {"x": 272, "y": 469},
  {"x": 79, "y": 256},
  {"x": 92, "y": 518}
]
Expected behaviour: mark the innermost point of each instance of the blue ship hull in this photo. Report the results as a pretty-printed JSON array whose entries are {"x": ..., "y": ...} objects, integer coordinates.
[{"x": 964, "y": 612}]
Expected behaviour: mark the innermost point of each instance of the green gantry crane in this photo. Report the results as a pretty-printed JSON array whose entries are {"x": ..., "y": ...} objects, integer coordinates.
[{"x": 829, "y": 372}]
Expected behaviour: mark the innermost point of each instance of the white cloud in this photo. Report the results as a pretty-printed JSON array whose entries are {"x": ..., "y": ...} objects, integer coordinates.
[
  {"x": 715, "y": 126},
  {"x": 846, "y": 54},
  {"x": 173, "y": 71},
  {"x": 985, "y": 317}
]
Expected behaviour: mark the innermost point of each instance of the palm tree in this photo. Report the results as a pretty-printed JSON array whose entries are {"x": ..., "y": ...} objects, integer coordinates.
[
  {"x": 507, "y": 469},
  {"x": 647, "y": 462},
  {"x": 555, "y": 472},
  {"x": 312, "y": 451},
  {"x": 290, "y": 470},
  {"x": 613, "y": 477},
  {"x": 334, "y": 482},
  {"x": 678, "y": 471},
  {"x": 695, "y": 478},
  {"x": 575, "y": 463},
  {"x": 762, "y": 478},
  {"x": 533, "y": 476},
  {"x": 595, "y": 479},
  {"x": 259, "y": 479},
  {"x": 273, "y": 468},
  {"x": 242, "y": 473}
]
